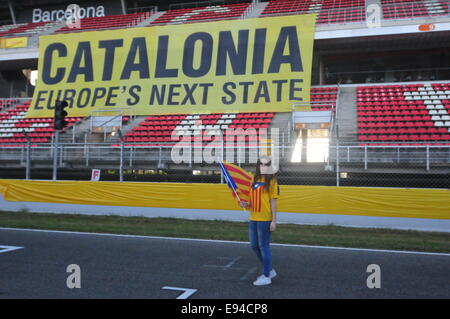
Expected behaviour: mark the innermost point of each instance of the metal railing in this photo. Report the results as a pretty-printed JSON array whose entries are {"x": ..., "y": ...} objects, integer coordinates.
[
  {"x": 423, "y": 156},
  {"x": 345, "y": 15},
  {"x": 355, "y": 14},
  {"x": 153, "y": 9},
  {"x": 11, "y": 102},
  {"x": 416, "y": 10},
  {"x": 427, "y": 159},
  {"x": 132, "y": 23},
  {"x": 200, "y": 4},
  {"x": 390, "y": 12}
]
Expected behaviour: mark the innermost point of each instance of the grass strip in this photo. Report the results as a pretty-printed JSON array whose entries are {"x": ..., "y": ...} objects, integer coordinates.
[{"x": 329, "y": 235}]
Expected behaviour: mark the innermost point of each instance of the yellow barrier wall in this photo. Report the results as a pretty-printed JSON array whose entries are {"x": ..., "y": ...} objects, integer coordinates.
[
  {"x": 362, "y": 201},
  {"x": 8, "y": 43}
]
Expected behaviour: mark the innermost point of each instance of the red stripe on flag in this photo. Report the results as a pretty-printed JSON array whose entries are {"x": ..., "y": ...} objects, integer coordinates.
[
  {"x": 246, "y": 193},
  {"x": 243, "y": 197},
  {"x": 241, "y": 182},
  {"x": 237, "y": 170}
]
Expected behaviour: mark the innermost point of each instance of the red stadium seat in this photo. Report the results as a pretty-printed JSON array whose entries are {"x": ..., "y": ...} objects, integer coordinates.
[{"x": 411, "y": 120}]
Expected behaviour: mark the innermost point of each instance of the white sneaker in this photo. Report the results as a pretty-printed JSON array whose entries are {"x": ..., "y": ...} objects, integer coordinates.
[
  {"x": 262, "y": 281},
  {"x": 272, "y": 274}
]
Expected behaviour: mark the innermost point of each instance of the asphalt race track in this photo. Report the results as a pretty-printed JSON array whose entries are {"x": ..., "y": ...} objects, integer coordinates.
[{"x": 34, "y": 264}]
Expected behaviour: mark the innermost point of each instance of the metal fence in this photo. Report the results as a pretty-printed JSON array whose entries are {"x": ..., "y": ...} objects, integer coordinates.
[
  {"x": 388, "y": 166},
  {"x": 416, "y": 10},
  {"x": 425, "y": 156}
]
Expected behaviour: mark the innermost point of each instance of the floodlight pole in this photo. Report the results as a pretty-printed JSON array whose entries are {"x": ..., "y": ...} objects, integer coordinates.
[
  {"x": 55, "y": 155},
  {"x": 337, "y": 155},
  {"x": 28, "y": 161},
  {"x": 11, "y": 11},
  {"x": 121, "y": 161},
  {"x": 121, "y": 155},
  {"x": 28, "y": 168}
]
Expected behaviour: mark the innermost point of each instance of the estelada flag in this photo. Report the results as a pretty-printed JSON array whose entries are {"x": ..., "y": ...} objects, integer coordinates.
[{"x": 238, "y": 179}]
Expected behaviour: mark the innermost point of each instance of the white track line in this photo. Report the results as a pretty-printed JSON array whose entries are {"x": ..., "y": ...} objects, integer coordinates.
[
  {"x": 226, "y": 241},
  {"x": 5, "y": 249}
]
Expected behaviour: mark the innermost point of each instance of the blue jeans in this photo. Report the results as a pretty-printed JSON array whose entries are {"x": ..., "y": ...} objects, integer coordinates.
[{"x": 260, "y": 242}]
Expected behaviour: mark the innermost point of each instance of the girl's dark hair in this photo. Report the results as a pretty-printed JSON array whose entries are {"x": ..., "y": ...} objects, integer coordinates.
[{"x": 267, "y": 177}]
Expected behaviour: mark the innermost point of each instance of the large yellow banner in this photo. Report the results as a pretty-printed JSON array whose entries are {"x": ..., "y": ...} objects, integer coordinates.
[
  {"x": 359, "y": 201},
  {"x": 249, "y": 65}
]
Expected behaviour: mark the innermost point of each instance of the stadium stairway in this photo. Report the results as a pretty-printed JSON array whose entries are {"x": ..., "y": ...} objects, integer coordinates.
[
  {"x": 81, "y": 128},
  {"x": 280, "y": 121},
  {"x": 150, "y": 19},
  {"x": 125, "y": 129},
  {"x": 255, "y": 10},
  {"x": 33, "y": 40},
  {"x": 287, "y": 136},
  {"x": 347, "y": 115}
]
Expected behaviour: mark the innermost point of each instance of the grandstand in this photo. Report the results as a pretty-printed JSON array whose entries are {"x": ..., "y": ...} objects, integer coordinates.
[{"x": 379, "y": 113}]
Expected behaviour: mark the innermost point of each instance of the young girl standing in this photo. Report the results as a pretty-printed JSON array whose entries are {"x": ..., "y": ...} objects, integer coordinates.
[{"x": 263, "y": 216}]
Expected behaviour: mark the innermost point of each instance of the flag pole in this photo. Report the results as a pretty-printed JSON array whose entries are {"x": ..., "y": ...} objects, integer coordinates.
[
  {"x": 234, "y": 191},
  {"x": 245, "y": 211}
]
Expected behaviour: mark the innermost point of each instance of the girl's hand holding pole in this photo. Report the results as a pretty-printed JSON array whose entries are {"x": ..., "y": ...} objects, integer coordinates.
[{"x": 243, "y": 204}]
